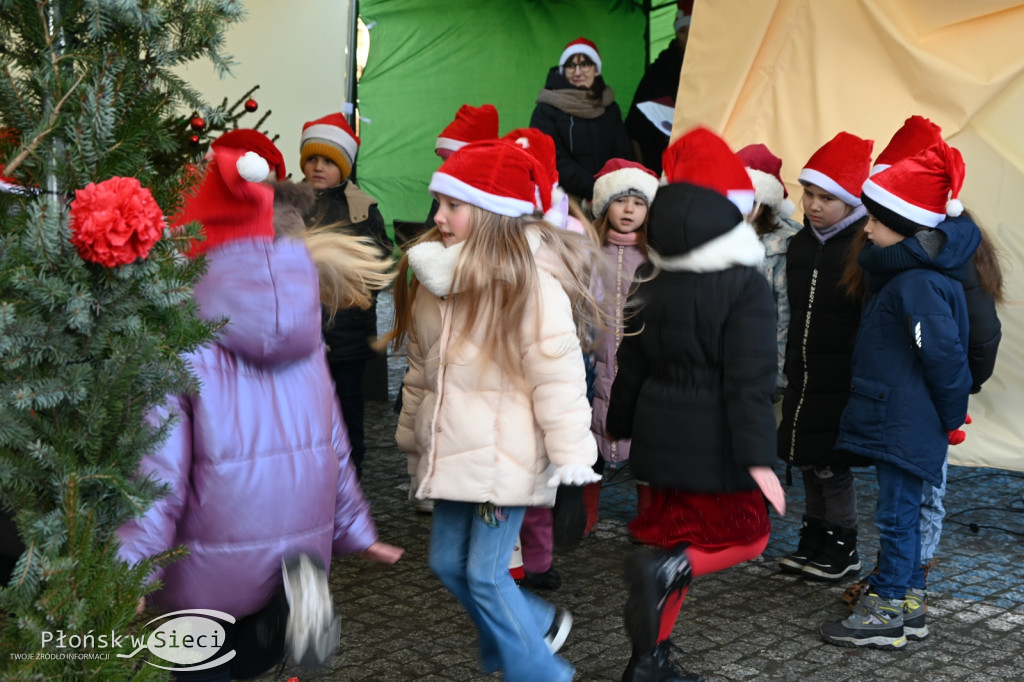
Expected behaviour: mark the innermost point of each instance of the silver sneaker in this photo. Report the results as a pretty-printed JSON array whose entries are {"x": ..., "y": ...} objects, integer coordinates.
[{"x": 312, "y": 632}]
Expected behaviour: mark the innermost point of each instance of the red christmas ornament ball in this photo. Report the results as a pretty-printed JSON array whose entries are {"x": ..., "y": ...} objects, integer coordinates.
[
  {"x": 251, "y": 105},
  {"x": 197, "y": 123},
  {"x": 194, "y": 140}
]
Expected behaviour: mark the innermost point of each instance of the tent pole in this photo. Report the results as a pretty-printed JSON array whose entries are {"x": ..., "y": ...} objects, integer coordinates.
[{"x": 351, "y": 108}]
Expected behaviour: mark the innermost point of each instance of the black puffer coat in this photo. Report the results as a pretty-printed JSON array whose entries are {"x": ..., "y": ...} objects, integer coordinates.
[
  {"x": 583, "y": 145},
  {"x": 823, "y": 323},
  {"x": 346, "y": 207},
  {"x": 697, "y": 364}
]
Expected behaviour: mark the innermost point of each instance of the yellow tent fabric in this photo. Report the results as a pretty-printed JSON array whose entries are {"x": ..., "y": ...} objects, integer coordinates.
[{"x": 793, "y": 73}]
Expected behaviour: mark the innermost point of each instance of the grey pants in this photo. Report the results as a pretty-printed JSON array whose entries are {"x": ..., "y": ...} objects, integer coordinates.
[{"x": 831, "y": 495}]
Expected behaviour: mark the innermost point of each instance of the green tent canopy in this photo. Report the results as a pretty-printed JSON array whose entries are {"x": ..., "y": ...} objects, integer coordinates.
[{"x": 426, "y": 59}]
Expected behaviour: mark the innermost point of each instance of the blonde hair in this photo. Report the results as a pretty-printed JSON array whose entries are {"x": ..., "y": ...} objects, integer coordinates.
[
  {"x": 496, "y": 277},
  {"x": 350, "y": 269}
]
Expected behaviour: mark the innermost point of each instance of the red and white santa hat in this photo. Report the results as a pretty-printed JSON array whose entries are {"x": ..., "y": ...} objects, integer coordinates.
[
  {"x": 916, "y": 135},
  {"x": 251, "y": 140},
  {"x": 541, "y": 147},
  {"x": 684, "y": 13},
  {"x": 495, "y": 175},
  {"x": 621, "y": 178},
  {"x": 233, "y": 202},
  {"x": 580, "y": 46},
  {"x": 765, "y": 170},
  {"x": 471, "y": 124},
  {"x": 919, "y": 191},
  {"x": 702, "y": 158},
  {"x": 840, "y": 167},
  {"x": 331, "y": 137}
]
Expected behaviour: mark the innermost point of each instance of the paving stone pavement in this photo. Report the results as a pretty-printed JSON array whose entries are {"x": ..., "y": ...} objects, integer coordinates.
[{"x": 748, "y": 623}]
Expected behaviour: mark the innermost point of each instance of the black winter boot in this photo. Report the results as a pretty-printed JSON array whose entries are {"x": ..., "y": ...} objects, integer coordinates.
[
  {"x": 654, "y": 666},
  {"x": 652, "y": 577},
  {"x": 812, "y": 532},
  {"x": 836, "y": 557}
]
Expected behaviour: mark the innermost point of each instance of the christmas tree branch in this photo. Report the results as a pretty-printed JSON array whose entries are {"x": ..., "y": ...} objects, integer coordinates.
[{"x": 50, "y": 125}]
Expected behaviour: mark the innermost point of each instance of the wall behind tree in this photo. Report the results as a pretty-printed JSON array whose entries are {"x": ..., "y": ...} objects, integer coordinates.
[{"x": 297, "y": 52}]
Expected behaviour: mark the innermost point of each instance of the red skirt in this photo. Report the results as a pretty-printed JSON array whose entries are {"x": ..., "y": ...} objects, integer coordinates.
[{"x": 710, "y": 522}]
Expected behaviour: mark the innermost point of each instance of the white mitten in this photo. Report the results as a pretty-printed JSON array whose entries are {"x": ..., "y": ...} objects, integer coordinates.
[{"x": 573, "y": 474}]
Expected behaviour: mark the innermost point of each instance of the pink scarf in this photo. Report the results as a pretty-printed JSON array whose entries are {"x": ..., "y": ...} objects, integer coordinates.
[{"x": 622, "y": 239}]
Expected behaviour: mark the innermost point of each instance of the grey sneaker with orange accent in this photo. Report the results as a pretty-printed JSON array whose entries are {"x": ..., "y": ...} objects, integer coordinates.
[{"x": 875, "y": 622}]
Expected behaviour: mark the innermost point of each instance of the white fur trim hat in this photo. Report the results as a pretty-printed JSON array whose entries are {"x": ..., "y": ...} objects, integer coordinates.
[
  {"x": 580, "y": 46},
  {"x": 495, "y": 175},
  {"x": 622, "y": 178}
]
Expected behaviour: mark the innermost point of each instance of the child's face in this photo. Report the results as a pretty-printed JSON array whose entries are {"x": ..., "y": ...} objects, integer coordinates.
[
  {"x": 453, "y": 219},
  {"x": 321, "y": 172},
  {"x": 823, "y": 210},
  {"x": 627, "y": 214},
  {"x": 880, "y": 235}
]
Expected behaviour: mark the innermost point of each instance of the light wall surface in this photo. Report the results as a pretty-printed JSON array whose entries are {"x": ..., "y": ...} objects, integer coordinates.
[{"x": 297, "y": 52}]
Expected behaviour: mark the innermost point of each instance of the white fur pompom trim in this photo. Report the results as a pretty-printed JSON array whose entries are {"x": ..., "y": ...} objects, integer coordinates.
[
  {"x": 253, "y": 167},
  {"x": 786, "y": 208},
  {"x": 954, "y": 207}
]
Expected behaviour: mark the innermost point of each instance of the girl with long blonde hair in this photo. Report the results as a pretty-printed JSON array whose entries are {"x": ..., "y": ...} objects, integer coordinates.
[{"x": 490, "y": 304}]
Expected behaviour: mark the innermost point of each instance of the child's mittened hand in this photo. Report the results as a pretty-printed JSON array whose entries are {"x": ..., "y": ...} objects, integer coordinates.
[
  {"x": 573, "y": 474},
  {"x": 956, "y": 436},
  {"x": 769, "y": 484},
  {"x": 382, "y": 552}
]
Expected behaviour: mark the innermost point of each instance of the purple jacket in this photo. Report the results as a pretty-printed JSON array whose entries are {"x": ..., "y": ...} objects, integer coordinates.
[
  {"x": 625, "y": 259},
  {"x": 257, "y": 463}
]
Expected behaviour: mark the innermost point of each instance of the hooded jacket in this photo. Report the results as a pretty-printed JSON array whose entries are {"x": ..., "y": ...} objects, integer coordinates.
[
  {"x": 582, "y": 145},
  {"x": 697, "y": 363},
  {"x": 471, "y": 433},
  {"x": 910, "y": 378},
  {"x": 257, "y": 462}
]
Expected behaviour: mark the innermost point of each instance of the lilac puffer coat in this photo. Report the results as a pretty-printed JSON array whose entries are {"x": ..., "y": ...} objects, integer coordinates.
[{"x": 257, "y": 463}]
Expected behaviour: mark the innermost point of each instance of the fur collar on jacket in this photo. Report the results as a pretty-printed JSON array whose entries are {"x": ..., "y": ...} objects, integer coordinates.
[
  {"x": 738, "y": 246},
  {"x": 434, "y": 265}
]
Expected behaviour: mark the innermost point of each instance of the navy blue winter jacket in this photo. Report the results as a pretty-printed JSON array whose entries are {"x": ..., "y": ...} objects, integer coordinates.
[{"x": 910, "y": 377}]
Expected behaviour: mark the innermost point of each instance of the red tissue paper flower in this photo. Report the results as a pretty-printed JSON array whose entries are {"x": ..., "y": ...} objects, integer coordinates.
[{"x": 115, "y": 222}]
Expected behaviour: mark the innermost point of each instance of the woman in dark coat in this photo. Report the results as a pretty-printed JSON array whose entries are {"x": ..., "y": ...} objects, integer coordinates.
[{"x": 579, "y": 112}]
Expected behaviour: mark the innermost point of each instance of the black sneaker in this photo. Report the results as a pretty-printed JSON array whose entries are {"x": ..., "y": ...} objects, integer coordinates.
[
  {"x": 654, "y": 666},
  {"x": 559, "y": 630},
  {"x": 837, "y": 556},
  {"x": 652, "y": 576},
  {"x": 313, "y": 631},
  {"x": 548, "y": 580},
  {"x": 811, "y": 533}
]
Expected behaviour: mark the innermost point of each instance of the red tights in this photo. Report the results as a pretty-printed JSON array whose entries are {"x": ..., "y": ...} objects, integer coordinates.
[{"x": 702, "y": 563}]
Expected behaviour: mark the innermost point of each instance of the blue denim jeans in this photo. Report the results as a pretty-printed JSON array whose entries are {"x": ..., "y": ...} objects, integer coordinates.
[
  {"x": 899, "y": 528},
  {"x": 932, "y": 513},
  {"x": 471, "y": 558}
]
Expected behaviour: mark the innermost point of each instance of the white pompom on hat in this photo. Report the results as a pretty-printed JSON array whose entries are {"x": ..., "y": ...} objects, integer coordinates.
[
  {"x": 919, "y": 191},
  {"x": 765, "y": 171},
  {"x": 580, "y": 46},
  {"x": 232, "y": 202},
  {"x": 621, "y": 178}
]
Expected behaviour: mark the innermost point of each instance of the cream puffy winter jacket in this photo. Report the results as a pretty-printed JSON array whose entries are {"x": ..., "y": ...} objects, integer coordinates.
[{"x": 472, "y": 434}]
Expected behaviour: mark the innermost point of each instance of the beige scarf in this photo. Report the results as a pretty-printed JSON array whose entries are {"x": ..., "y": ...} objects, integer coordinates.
[{"x": 575, "y": 102}]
